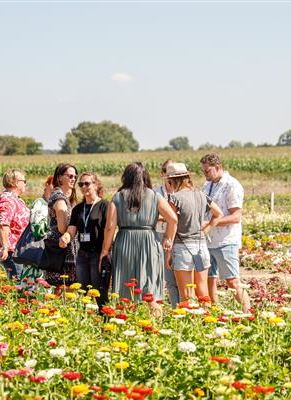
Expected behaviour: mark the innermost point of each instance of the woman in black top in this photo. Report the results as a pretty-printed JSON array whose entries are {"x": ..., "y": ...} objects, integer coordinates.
[{"x": 88, "y": 221}]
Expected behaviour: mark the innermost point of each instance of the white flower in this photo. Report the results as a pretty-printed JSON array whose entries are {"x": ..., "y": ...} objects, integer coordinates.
[
  {"x": 48, "y": 324},
  {"x": 178, "y": 316},
  {"x": 286, "y": 296},
  {"x": 187, "y": 347},
  {"x": 199, "y": 311},
  {"x": 166, "y": 332},
  {"x": 102, "y": 354},
  {"x": 244, "y": 286},
  {"x": 221, "y": 293},
  {"x": 220, "y": 332},
  {"x": 285, "y": 309},
  {"x": 232, "y": 290},
  {"x": 130, "y": 332},
  {"x": 32, "y": 331},
  {"x": 92, "y": 306},
  {"x": 268, "y": 314},
  {"x": 142, "y": 345},
  {"x": 226, "y": 343},
  {"x": 228, "y": 312},
  {"x": 58, "y": 352},
  {"x": 49, "y": 373},
  {"x": 30, "y": 363},
  {"x": 236, "y": 359},
  {"x": 117, "y": 321}
]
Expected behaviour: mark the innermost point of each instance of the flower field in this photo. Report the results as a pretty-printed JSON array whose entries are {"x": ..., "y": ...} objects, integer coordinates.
[{"x": 60, "y": 347}]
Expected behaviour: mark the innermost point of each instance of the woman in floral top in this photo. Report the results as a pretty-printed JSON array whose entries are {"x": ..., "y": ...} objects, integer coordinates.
[
  {"x": 14, "y": 217},
  {"x": 60, "y": 205}
]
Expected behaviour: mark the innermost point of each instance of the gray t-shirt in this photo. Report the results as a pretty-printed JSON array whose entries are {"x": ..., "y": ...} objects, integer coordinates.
[{"x": 191, "y": 207}]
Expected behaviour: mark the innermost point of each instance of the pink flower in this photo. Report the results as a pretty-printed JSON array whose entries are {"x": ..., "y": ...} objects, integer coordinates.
[{"x": 3, "y": 349}]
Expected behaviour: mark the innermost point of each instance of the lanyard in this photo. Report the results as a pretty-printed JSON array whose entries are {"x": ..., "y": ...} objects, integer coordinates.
[{"x": 85, "y": 220}]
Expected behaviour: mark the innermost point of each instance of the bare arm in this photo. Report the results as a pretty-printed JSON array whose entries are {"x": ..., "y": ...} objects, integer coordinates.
[
  {"x": 171, "y": 218},
  {"x": 233, "y": 218},
  {"x": 61, "y": 208},
  {"x": 67, "y": 236},
  {"x": 4, "y": 239},
  {"x": 110, "y": 227},
  {"x": 216, "y": 215}
]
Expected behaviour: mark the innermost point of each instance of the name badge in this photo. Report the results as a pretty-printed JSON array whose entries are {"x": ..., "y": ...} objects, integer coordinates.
[{"x": 84, "y": 237}]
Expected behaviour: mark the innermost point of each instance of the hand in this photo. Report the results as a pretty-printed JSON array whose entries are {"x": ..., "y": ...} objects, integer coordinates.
[
  {"x": 168, "y": 261},
  {"x": 104, "y": 253},
  {"x": 167, "y": 244},
  {"x": 63, "y": 241},
  {"x": 3, "y": 254}
]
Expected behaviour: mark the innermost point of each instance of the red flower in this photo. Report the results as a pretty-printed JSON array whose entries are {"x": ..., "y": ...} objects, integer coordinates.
[
  {"x": 38, "y": 379},
  {"x": 11, "y": 373},
  {"x": 100, "y": 396},
  {"x": 137, "y": 291},
  {"x": 135, "y": 395},
  {"x": 263, "y": 389},
  {"x": 2, "y": 302},
  {"x": 236, "y": 319},
  {"x": 148, "y": 328},
  {"x": 252, "y": 318},
  {"x": 25, "y": 311},
  {"x": 119, "y": 389},
  {"x": 160, "y": 301},
  {"x": 72, "y": 376},
  {"x": 107, "y": 310},
  {"x": 96, "y": 388},
  {"x": 52, "y": 343},
  {"x": 145, "y": 391},
  {"x": 120, "y": 307},
  {"x": 21, "y": 351},
  {"x": 222, "y": 318},
  {"x": 21, "y": 300},
  {"x": 239, "y": 385},
  {"x": 124, "y": 300},
  {"x": 219, "y": 359},
  {"x": 204, "y": 299},
  {"x": 148, "y": 297},
  {"x": 121, "y": 316},
  {"x": 129, "y": 284}
]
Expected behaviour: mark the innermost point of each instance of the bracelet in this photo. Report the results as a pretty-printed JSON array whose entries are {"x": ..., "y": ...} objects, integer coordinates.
[{"x": 4, "y": 247}]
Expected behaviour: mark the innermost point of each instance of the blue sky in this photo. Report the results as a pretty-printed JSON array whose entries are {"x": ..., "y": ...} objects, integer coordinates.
[{"x": 214, "y": 72}]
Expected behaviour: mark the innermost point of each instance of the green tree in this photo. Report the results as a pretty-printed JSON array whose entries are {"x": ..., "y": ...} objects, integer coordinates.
[
  {"x": 234, "y": 144},
  {"x": 10, "y": 145},
  {"x": 285, "y": 139},
  {"x": 180, "y": 143},
  {"x": 103, "y": 137},
  {"x": 207, "y": 146},
  {"x": 249, "y": 144}
]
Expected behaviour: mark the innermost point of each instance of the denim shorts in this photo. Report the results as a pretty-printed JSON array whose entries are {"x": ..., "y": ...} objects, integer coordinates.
[
  {"x": 198, "y": 260},
  {"x": 224, "y": 262}
]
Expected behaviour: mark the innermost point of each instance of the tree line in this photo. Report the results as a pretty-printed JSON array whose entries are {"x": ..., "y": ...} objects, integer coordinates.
[{"x": 109, "y": 137}]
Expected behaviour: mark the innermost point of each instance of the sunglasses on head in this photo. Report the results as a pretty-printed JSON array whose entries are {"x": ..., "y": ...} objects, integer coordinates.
[
  {"x": 81, "y": 184},
  {"x": 71, "y": 176}
]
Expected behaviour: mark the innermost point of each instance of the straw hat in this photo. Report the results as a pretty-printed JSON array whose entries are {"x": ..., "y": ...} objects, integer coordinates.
[{"x": 176, "y": 169}]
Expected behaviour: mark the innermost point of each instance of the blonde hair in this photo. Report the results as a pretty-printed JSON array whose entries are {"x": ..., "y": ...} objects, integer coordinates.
[
  {"x": 181, "y": 182},
  {"x": 10, "y": 177}
]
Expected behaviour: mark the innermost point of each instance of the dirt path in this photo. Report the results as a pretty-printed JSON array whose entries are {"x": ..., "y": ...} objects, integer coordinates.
[{"x": 264, "y": 275}]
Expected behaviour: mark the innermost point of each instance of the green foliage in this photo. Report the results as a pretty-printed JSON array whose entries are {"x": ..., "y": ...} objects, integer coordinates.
[
  {"x": 180, "y": 143},
  {"x": 10, "y": 145},
  {"x": 234, "y": 144},
  {"x": 103, "y": 137}
]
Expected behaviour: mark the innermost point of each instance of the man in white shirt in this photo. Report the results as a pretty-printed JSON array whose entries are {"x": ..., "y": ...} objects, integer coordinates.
[{"x": 225, "y": 238}]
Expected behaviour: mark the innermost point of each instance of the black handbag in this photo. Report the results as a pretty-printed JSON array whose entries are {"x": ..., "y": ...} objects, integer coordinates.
[
  {"x": 28, "y": 250},
  {"x": 53, "y": 257}
]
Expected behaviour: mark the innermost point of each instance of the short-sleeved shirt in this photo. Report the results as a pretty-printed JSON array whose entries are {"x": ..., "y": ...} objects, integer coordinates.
[
  {"x": 95, "y": 225},
  {"x": 191, "y": 207},
  {"x": 15, "y": 214},
  {"x": 227, "y": 193}
]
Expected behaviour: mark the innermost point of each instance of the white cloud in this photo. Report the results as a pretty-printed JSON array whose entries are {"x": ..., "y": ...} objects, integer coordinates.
[{"x": 121, "y": 77}]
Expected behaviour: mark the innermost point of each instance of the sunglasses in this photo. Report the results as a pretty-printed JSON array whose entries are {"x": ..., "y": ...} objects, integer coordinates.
[
  {"x": 22, "y": 180},
  {"x": 71, "y": 176},
  {"x": 86, "y": 184}
]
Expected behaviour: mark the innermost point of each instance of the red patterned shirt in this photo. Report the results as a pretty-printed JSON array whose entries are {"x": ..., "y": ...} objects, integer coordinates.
[{"x": 15, "y": 214}]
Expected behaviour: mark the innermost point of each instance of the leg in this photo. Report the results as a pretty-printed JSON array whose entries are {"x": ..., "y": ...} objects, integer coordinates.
[
  {"x": 13, "y": 270},
  {"x": 184, "y": 278},
  {"x": 172, "y": 287},
  {"x": 241, "y": 294},
  {"x": 82, "y": 269},
  {"x": 200, "y": 279},
  {"x": 213, "y": 277}
]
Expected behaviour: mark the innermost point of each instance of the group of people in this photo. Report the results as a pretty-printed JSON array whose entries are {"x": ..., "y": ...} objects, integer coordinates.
[{"x": 175, "y": 233}]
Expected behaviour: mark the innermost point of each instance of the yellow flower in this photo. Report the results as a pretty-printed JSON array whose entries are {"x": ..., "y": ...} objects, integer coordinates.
[
  {"x": 109, "y": 327},
  {"x": 120, "y": 346},
  {"x": 86, "y": 300},
  {"x": 93, "y": 293},
  {"x": 144, "y": 322},
  {"x": 64, "y": 276},
  {"x": 105, "y": 349},
  {"x": 45, "y": 311},
  {"x": 70, "y": 296},
  {"x": 50, "y": 296},
  {"x": 276, "y": 320},
  {"x": 226, "y": 380},
  {"x": 198, "y": 392},
  {"x": 210, "y": 319},
  {"x": 191, "y": 285},
  {"x": 79, "y": 390},
  {"x": 62, "y": 321},
  {"x": 287, "y": 385},
  {"x": 179, "y": 311},
  {"x": 122, "y": 365},
  {"x": 75, "y": 286},
  {"x": 215, "y": 308},
  {"x": 16, "y": 325},
  {"x": 114, "y": 295},
  {"x": 43, "y": 320}
]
